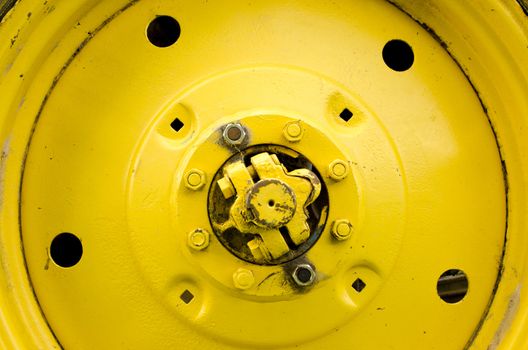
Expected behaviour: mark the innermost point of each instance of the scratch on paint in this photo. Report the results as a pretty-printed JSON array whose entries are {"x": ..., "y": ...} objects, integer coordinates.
[
  {"x": 509, "y": 315},
  {"x": 3, "y": 160}
]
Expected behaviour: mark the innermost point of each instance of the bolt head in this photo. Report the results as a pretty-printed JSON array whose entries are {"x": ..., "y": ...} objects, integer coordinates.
[
  {"x": 243, "y": 279},
  {"x": 234, "y": 134},
  {"x": 338, "y": 170},
  {"x": 304, "y": 275},
  {"x": 198, "y": 239},
  {"x": 342, "y": 229},
  {"x": 293, "y": 131},
  {"x": 194, "y": 179},
  {"x": 226, "y": 187}
]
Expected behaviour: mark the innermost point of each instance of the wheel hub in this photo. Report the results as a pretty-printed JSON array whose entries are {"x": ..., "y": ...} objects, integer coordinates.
[{"x": 269, "y": 202}]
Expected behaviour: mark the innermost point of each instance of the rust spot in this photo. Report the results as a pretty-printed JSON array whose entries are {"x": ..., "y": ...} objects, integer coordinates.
[{"x": 14, "y": 38}]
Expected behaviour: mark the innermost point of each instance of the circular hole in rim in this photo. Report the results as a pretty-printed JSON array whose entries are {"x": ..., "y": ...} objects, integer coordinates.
[
  {"x": 271, "y": 203},
  {"x": 398, "y": 55},
  {"x": 66, "y": 249},
  {"x": 163, "y": 31},
  {"x": 452, "y": 286}
]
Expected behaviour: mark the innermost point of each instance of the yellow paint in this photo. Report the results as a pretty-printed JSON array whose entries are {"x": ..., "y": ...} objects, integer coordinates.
[
  {"x": 338, "y": 170},
  {"x": 243, "y": 278},
  {"x": 199, "y": 239},
  {"x": 86, "y": 106},
  {"x": 195, "y": 179},
  {"x": 293, "y": 131},
  {"x": 278, "y": 199},
  {"x": 342, "y": 229}
]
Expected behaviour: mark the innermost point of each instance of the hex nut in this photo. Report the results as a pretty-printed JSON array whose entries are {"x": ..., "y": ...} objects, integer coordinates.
[
  {"x": 342, "y": 229},
  {"x": 303, "y": 275},
  {"x": 293, "y": 131},
  {"x": 234, "y": 134},
  {"x": 243, "y": 279},
  {"x": 194, "y": 179},
  {"x": 198, "y": 239},
  {"x": 338, "y": 170}
]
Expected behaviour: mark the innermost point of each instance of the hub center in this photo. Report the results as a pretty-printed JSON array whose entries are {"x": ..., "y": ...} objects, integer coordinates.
[{"x": 266, "y": 210}]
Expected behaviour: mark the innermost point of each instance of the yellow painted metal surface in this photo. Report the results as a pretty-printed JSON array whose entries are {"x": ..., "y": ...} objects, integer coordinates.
[{"x": 122, "y": 143}]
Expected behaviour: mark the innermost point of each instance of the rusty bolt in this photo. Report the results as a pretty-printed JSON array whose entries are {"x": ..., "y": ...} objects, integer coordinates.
[
  {"x": 198, "y": 239},
  {"x": 293, "y": 131},
  {"x": 243, "y": 279},
  {"x": 234, "y": 134},
  {"x": 338, "y": 169},
  {"x": 194, "y": 179},
  {"x": 303, "y": 275},
  {"x": 342, "y": 229}
]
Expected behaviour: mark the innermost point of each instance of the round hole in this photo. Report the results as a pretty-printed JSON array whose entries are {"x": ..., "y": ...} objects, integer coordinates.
[
  {"x": 271, "y": 203},
  {"x": 398, "y": 55},
  {"x": 163, "y": 31},
  {"x": 452, "y": 286},
  {"x": 66, "y": 250}
]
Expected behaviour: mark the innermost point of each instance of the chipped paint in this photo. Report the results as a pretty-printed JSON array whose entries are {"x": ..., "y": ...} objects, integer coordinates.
[
  {"x": 3, "y": 161},
  {"x": 507, "y": 320}
]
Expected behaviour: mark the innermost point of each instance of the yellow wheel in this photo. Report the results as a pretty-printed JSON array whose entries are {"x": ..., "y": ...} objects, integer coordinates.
[{"x": 263, "y": 174}]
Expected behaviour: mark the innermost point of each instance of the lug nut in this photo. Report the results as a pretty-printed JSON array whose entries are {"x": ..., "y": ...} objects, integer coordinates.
[
  {"x": 303, "y": 275},
  {"x": 198, "y": 239},
  {"x": 194, "y": 179},
  {"x": 293, "y": 131},
  {"x": 234, "y": 134},
  {"x": 338, "y": 170},
  {"x": 243, "y": 279},
  {"x": 342, "y": 229}
]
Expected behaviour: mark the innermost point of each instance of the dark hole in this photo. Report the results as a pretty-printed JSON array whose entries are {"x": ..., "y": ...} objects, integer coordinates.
[
  {"x": 358, "y": 285},
  {"x": 163, "y": 31},
  {"x": 346, "y": 115},
  {"x": 66, "y": 249},
  {"x": 398, "y": 55},
  {"x": 177, "y": 125},
  {"x": 304, "y": 275},
  {"x": 187, "y": 296},
  {"x": 452, "y": 286},
  {"x": 271, "y": 203}
]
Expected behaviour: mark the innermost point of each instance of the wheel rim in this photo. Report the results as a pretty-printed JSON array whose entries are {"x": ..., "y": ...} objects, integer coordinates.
[{"x": 423, "y": 174}]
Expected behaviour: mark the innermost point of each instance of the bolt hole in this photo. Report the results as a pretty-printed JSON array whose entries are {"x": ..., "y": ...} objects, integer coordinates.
[
  {"x": 398, "y": 55},
  {"x": 346, "y": 115},
  {"x": 271, "y": 203},
  {"x": 66, "y": 249},
  {"x": 452, "y": 286},
  {"x": 359, "y": 285},
  {"x": 163, "y": 31},
  {"x": 187, "y": 296},
  {"x": 177, "y": 125}
]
